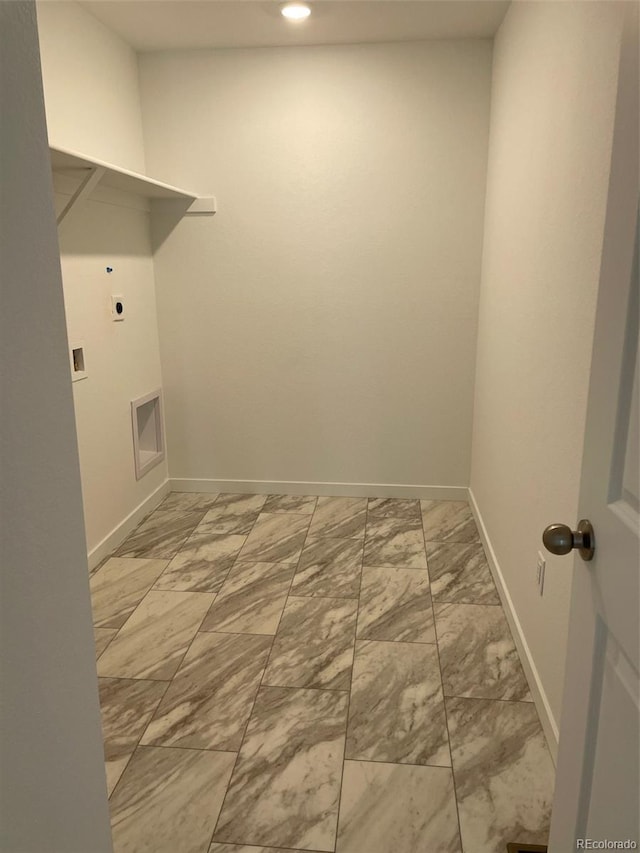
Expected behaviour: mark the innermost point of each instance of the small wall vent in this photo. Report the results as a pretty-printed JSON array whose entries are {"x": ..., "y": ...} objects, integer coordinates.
[{"x": 148, "y": 432}]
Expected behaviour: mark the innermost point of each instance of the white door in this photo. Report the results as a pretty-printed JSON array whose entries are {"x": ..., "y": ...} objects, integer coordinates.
[{"x": 597, "y": 788}]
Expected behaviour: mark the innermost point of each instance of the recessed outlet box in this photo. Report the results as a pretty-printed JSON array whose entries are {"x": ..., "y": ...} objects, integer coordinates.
[
  {"x": 117, "y": 307},
  {"x": 78, "y": 362},
  {"x": 542, "y": 563}
]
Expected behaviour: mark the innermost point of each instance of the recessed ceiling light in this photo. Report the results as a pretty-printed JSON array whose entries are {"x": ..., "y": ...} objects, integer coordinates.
[{"x": 296, "y": 11}]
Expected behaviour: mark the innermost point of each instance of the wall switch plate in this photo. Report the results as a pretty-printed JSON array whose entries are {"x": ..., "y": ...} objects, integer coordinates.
[
  {"x": 542, "y": 563},
  {"x": 117, "y": 307}
]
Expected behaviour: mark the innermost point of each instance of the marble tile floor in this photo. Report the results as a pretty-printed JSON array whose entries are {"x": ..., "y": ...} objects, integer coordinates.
[{"x": 290, "y": 673}]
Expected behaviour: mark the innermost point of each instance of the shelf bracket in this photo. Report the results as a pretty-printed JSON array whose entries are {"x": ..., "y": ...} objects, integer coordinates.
[
  {"x": 202, "y": 207},
  {"x": 90, "y": 181}
]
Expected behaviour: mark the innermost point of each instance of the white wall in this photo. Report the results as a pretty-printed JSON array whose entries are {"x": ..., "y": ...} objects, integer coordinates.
[
  {"x": 122, "y": 358},
  {"x": 553, "y": 98},
  {"x": 91, "y": 86},
  {"x": 322, "y": 326},
  {"x": 93, "y": 106},
  {"x": 53, "y": 793}
]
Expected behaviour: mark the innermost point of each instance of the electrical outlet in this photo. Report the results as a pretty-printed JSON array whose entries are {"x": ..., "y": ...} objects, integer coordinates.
[{"x": 540, "y": 571}]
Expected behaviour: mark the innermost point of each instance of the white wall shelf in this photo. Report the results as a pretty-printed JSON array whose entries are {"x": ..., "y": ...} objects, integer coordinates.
[{"x": 92, "y": 172}]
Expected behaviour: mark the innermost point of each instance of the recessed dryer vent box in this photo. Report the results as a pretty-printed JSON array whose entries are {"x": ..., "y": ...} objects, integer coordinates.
[
  {"x": 78, "y": 363},
  {"x": 148, "y": 432}
]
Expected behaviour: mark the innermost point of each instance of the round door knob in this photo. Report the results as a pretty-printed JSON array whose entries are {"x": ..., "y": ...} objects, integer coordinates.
[
  {"x": 558, "y": 538},
  {"x": 561, "y": 539}
]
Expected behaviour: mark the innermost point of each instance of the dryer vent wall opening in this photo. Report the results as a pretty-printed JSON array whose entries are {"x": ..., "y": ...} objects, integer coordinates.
[{"x": 148, "y": 432}]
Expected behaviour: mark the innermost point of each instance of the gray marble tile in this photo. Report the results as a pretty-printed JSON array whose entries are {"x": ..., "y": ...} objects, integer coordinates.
[
  {"x": 156, "y": 636},
  {"x": 314, "y": 644},
  {"x": 448, "y": 521},
  {"x": 233, "y": 514},
  {"x": 388, "y": 526},
  {"x": 460, "y": 573},
  {"x": 394, "y": 542},
  {"x": 286, "y": 784},
  {"x": 396, "y": 808},
  {"x": 169, "y": 799},
  {"x": 301, "y": 504},
  {"x": 103, "y": 637},
  {"x": 503, "y": 772},
  {"x": 395, "y": 604},
  {"x": 98, "y": 566},
  {"x": 188, "y": 501},
  {"x": 202, "y": 564},
  {"x": 339, "y": 518},
  {"x": 210, "y": 698},
  {"x": 251, "y": 600},
  {"x": 170, "y": 514},
  {"x": 477, "y": 654},
  {"x": 243, "y": 848},
  {"x": 396, "y": 711},
  {"x": 126, "y": 706},
  {"x": 162, "y": 534},
  {"x": 395, "y": 507},
  {"x": 119, "y": 586},
  {"x": 276, "y": 538},
  {"x": 329, "y": 568}
]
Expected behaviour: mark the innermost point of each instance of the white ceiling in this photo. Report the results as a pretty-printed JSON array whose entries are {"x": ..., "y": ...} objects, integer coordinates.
[{"x": 149, "y": 25}]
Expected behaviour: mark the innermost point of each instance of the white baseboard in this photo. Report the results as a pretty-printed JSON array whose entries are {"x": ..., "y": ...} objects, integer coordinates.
[
  {"x": 287, "y": 487},
  {"x": 549, "y": 725},
  {"x": 120, "y": 533}
]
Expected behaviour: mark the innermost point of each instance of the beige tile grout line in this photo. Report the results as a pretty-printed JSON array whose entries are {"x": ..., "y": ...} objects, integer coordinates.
[
  {"x": 444, "y": 704},
  {"x": 398, "y": 763},
  {"x": 255, "y": 698},
  {"x": 452, "y": 696},
  {"x": 327, "y": 690},
  {"x": 135, "y": 748},
  {"x": 355, "y": 635},
  {"x": 444, "y": 698}
]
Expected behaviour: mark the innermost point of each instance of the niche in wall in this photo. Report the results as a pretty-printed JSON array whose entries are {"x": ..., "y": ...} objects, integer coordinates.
[{"x": 148, "y": 432}]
